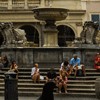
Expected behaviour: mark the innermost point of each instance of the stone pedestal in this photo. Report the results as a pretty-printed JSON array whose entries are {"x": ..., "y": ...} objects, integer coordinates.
[{"x": 50, "y": 38}]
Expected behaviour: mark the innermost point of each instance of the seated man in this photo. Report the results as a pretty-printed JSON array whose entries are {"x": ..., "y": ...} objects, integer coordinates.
[
  {"x": 75, "y": 65},
  {"x": 97, "y": 61}
]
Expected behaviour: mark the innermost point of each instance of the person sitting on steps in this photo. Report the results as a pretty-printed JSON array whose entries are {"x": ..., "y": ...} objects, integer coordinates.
[
  {"x": 62, "y": 80},
  {"x": 75, "y": 65},
  {"x": 35, "y": 73},
  {"x": 97, "y": 61},
  {"x": 67, "y": 67}
]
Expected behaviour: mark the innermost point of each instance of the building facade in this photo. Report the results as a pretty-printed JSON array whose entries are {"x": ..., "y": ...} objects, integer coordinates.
[{"x": 20, "y": 13}]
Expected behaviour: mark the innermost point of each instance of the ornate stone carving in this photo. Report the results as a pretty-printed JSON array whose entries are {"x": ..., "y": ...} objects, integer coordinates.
[
  {"x": 11, "y": 35},
  {"x": 89, "y": 32}
]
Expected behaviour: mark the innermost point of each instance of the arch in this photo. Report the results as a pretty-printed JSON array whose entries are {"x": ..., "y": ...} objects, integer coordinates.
[
  {"x": 65, "y": 34},
  {"x": 1, "y": 39},
  {"x": 32, "y": 34}
]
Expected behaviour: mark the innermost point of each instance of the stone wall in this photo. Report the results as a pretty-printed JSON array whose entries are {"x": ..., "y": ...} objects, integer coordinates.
[{"x": 48, "y": 57}]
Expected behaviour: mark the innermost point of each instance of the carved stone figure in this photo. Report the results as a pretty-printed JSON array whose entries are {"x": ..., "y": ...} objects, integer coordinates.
[
  {"x": 98, "y": 38},
  {"x": 20, "y": 35},
  {"x": 11, "y": 35},
  {"x": 90, "y": 32}
]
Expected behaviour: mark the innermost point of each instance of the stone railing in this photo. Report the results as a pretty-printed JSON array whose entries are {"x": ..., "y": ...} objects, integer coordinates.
[
  {"x": 34, "y": 3},
  {"x": 20, "y": 4},
  {"x": 3, "y": 5}
]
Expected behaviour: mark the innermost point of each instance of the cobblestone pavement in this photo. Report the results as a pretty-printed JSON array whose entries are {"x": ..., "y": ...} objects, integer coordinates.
[{"x": 56, "y": 98}]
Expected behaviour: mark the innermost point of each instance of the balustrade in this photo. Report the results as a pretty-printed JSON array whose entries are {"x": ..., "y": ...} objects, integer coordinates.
[
  {"x": 19, "y": 4},
  {"x": 3, "y": 4}
]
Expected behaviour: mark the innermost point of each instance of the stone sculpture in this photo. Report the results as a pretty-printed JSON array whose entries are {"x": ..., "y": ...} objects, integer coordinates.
[
  {"x": 11, "y": 35},
  {"x": 89, "y": 32}
]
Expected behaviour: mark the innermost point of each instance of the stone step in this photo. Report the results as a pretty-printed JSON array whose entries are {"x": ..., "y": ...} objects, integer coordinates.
[
  {"x": 81, "y": 90},
  {"x": 76, "y": 86},
  {"x": 40, "y": 85},
  {"x": 30, "y": 93},
  {"x": 81, "y": 81},
  {"x": 46, "y": 69}
]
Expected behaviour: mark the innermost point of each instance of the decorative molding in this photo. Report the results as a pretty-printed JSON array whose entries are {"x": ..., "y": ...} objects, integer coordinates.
[{"x": 78, "y": 23}]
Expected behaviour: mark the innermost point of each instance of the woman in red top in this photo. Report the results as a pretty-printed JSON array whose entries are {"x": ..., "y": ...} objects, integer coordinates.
[{"x": 97, "y": 61}]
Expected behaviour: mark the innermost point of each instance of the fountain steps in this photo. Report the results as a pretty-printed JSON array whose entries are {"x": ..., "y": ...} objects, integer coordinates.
[{"x": 76, "y": 86}]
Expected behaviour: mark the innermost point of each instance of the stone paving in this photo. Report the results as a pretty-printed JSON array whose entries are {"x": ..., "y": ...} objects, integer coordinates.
[{"x": 56, "y": 98}]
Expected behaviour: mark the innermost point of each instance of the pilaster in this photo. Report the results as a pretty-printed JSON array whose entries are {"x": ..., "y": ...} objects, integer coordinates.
[
  {"x": 26, "y": 6},
  {"x": 9, "y": 4}
]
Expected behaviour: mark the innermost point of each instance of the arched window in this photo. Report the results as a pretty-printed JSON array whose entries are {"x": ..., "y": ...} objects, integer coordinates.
[{"x": 65, "y": 34}]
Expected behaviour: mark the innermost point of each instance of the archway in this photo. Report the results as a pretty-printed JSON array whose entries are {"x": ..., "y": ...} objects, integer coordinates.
[
  {"x": 32, "y": 34},
  {"x": 65, "y": 34},
  {"x": 1, "y": 39}
]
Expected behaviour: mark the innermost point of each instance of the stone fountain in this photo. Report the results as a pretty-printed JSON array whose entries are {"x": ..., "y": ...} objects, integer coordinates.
[
  {"x": 50, "y": 55},
  {"x": 50, "y": 16}
]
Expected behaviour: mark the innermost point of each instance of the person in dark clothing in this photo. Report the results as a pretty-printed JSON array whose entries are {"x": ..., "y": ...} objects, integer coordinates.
[
  {"x": 5, "y": 61},
  {"x": 47, "y": 93},
  {"x": 1, "y": 65},
  {"x": 51, "y": 75}
]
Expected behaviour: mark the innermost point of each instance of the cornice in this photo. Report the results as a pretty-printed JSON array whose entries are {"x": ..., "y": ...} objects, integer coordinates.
[
  {"x": 16, "y": 11},
  {"x": 78, "y": 12}
]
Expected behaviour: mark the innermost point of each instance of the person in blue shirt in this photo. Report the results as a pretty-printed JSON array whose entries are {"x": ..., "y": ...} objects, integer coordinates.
[{"x": 75, "y": 64}]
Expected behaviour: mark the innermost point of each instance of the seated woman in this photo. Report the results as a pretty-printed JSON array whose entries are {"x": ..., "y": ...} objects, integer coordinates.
[
  {"x": 97, "y": 61},
  {"x": 62, "y": 80},
  {"x": 14, "y": 68},
  {"x": 35, "y": 73},
  {"x": 67, "y": 67}
]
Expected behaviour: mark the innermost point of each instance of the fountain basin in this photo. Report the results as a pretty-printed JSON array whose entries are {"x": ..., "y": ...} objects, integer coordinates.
[{"x": 55, "y": 14}]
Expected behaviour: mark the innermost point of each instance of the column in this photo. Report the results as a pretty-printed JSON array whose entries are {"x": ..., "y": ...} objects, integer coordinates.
[
  {"x": 26, "y": 4},
  {"x": 9, "y": 4},
  {"x": 79, "y": 28}
]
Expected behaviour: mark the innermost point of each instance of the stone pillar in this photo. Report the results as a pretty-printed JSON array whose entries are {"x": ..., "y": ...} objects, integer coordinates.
[
  {"x": 79, "y": 28},
  {"x": 50, "y": 38},
  {"x": 9, "y": 4},
  {"x": 26, "y": 4}
]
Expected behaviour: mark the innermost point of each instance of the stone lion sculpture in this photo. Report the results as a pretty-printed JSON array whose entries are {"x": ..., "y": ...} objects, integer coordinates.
[
  {"x": 90, "y": 32},
  {"x": 20, "y": 35},
  {"x": 11, "y": 35}
]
